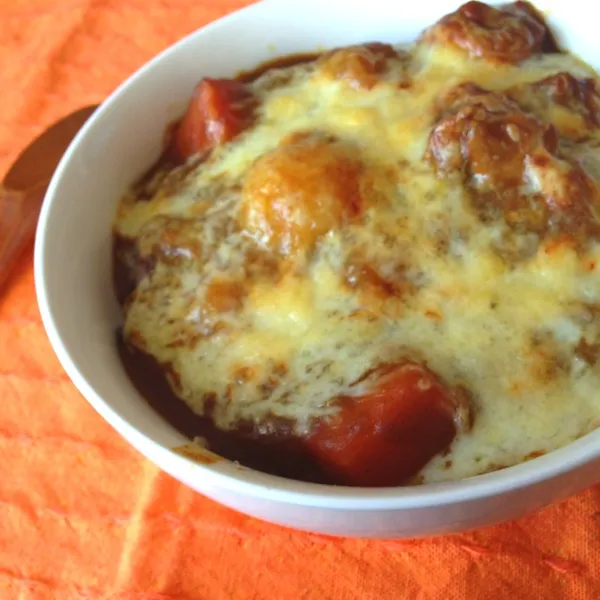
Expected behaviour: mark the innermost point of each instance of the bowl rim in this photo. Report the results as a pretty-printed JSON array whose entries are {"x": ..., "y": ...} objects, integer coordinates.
[{"x": 246, "y": 481}]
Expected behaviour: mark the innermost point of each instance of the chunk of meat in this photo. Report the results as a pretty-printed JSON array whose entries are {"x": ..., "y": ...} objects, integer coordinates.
[
  {"x": 487, "y": 135},
  {"x": 486, "y": 138},
  {"x": 359, "y": 66},
  {"x": 508, "y": 33},
  {"x": 578, "y": 95},
  {"x": 510, "y": 161},
  {"x": 220, "y": 110},
  {"x": 572, "y": 105},
  {"x": 304, "y": 188},
  {"x": 388, "y": 434},
  {"x": 571, "y": 195}
]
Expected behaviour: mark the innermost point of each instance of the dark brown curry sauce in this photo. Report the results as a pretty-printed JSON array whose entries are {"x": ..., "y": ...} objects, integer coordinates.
[{"x": 277, "y": 453}]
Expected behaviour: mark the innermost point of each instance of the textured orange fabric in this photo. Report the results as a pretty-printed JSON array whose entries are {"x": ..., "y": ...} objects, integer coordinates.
[{"x": 82, "y": 515}]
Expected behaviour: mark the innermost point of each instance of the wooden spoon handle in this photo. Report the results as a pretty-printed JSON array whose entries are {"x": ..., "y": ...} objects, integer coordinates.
[{"x": 19, "y": 212}]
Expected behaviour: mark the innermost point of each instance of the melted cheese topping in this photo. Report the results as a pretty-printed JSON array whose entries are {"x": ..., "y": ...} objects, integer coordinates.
[{"x": 260, "y": 346}]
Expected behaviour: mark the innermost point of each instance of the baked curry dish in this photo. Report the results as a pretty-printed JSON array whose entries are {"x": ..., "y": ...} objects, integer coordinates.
[{"x": 378, "y": 265}]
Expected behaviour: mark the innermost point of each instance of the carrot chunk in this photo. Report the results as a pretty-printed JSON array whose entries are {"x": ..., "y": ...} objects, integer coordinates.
[
  {"x": 391, "y": 432},
  {"x": 220, "y": 110}
]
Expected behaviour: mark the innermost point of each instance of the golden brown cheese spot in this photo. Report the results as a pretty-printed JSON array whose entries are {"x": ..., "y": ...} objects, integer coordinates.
[
  {"x": 587, "y": 347},
  {"x": 358, "y": 66},
  {"x": 170, "y": 239},
  {"x": 569, "y": 103},
  {"x": 260, "y": 264},
  {"x": 546, "y": 361},
  {"x": 222, "y": 295},
  {"x": 509, "y": 33},
  {"x": 295, "y": 194},
  {"x": 377, "y": 293}
]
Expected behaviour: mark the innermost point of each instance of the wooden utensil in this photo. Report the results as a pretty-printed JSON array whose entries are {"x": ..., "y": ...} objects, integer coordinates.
[{"x": 24, "y": 186}]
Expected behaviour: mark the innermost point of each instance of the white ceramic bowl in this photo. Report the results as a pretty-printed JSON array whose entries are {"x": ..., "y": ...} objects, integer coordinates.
[{"x": 73, "y": 275}]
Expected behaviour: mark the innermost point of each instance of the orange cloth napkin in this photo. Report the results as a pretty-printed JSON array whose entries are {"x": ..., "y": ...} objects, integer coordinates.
[{"x": 82, "y": 515}]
